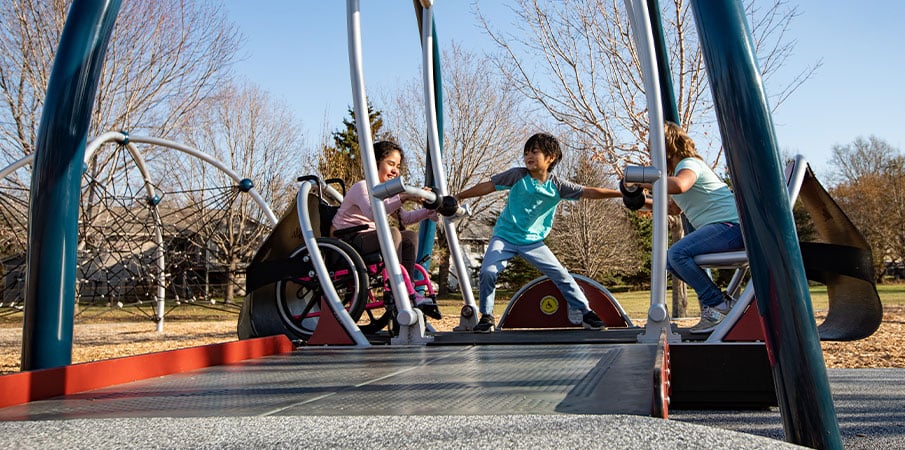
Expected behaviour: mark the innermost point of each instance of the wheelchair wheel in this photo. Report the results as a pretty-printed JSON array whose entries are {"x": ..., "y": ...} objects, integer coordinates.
[
  {"x": 299, "y": 299},
  {"x": 378, "y": 318}
]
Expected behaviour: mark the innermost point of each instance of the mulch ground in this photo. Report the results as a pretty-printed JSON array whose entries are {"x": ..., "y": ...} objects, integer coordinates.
[{"x": 97, "y": 341}]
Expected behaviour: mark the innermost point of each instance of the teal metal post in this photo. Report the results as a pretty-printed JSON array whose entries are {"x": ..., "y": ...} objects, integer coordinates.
[
  {"x": 667, "y": 92},
  {"x": 799, "y": 371},
  {"x": 427, "y": 230},
  {"x": 55, "y": 185}
]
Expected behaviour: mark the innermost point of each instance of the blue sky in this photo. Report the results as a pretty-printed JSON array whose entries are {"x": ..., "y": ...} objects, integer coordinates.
[{"x": 297, "y": 50}]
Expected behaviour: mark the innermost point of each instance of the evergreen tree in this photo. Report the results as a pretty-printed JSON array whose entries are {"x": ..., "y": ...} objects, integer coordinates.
[{"x": 343, "y": 159}]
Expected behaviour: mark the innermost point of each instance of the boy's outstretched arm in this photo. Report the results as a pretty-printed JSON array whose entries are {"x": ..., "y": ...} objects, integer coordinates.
[
  {"x": 482, "y": 188},
  {"x": 599, "y": 193}
]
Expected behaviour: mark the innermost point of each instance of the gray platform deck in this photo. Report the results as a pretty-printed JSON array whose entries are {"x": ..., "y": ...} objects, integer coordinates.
[
  {"x": 383, "y": 380},
  {"x": 486, "y": 396}
]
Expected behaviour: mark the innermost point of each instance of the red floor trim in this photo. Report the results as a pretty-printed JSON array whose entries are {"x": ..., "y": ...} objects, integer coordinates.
[{"x": 24, "y": 387}]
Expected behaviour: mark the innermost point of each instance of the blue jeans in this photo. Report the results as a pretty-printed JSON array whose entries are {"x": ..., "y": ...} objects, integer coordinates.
[
  {"x": 497, "y": 257},
  {"x": 710, "y": 238}
]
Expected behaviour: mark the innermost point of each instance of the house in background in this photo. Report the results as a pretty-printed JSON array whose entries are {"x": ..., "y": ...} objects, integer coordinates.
[{"x": 473, "y": 240}]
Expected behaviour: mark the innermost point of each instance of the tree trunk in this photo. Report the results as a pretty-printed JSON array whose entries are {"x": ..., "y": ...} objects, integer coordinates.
[
  {"x": 231, "y": 280},
  {"x": 679, "y": 299},
  {"x": 679, "y": 290},
  {"x": 443, "y": 278}
]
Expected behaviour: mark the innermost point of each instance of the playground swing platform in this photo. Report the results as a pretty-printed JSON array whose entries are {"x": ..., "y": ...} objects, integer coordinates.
[
  {"x": 539, "y": 363},
  {"x": 695, "y": 371}
]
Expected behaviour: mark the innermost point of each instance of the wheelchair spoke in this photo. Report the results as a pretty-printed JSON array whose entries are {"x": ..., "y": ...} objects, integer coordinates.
[{"x": 299, "y": 300}]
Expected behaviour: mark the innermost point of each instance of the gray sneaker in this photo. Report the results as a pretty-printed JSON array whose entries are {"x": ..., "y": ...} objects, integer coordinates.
[
  {"x": 486, "y": 324},
  {"x": 591, "y": 321},
  {"x": 710, "y": 318}
]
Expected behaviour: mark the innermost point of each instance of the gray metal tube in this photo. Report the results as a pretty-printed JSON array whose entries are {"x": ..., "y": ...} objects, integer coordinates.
[
  {"x": 657, "y": 314},
  {"x": 406, "y": 315},
  {"x": 452, "y": 237},
  {"x": 323, "y": 275}
]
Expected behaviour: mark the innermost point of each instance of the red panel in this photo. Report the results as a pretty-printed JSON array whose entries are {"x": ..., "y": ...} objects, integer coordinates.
[
  {"x": 328, "y": 330},
  {"x": 661, "y": 380},
  {"x": 749, "y": 327},
  {"x": 29, "y": 386},
  {"x": 541, "y": 305}
]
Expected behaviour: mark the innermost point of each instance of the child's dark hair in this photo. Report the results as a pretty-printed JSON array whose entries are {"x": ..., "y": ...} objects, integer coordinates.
[
  {"x": 547, "y": 144},
  {"x": 383, "y": 148}
]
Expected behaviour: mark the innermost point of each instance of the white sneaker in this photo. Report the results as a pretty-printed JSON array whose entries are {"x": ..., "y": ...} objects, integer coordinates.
[{"x": 575, "y": 316}]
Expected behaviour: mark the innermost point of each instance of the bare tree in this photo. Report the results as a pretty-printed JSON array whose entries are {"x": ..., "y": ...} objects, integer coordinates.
[
  {"x": 164, "y": 58},
  {"x": 593, "y": 237},
  {"x": 577, "y": 61},
  {"x": 485, "y": 128},
  {"x": 485, "y": 123},
  {"x": 256, "y": 136},
  {"x": 342, "y": 158},
  {"x": 871, "y": 190}
]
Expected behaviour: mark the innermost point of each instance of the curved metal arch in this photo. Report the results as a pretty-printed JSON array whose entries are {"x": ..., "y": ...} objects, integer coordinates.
[
  {"x": 139, "y": 160},
  {"x": 322, "y": 273},
  {"x": 16, "y": 165},
  {"x": 122, "y": 138},
  {"x": 129, "y": 143},
  {"x": 657, "y": 315},
  {"x": 407, "y": 316}
]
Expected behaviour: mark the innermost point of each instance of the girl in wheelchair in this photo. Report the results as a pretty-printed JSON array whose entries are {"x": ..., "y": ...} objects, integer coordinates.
[{"x": 354, "y": 221}]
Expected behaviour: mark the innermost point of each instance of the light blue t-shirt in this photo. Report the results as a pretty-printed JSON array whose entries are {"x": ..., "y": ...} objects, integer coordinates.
[
  {"x": 709, "y": 200},
  {"x": 528, "y": 215}
]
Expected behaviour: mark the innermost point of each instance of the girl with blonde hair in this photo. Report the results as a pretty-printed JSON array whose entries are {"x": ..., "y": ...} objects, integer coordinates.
[{"x": 709, "y": 205}]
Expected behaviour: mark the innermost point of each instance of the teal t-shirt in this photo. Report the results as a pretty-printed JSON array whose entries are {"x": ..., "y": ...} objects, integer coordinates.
[
  {"x": 709, "y": 200},
  {"x": 528, "y": 215}
]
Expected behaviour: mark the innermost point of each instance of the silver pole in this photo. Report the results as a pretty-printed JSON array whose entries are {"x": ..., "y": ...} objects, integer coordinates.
[
  {"x": 323, "y": 274},
  {"x": 657, "y": 314},
  {"x": 407, "y": 316},
  {"x": 433, "y": 136}
]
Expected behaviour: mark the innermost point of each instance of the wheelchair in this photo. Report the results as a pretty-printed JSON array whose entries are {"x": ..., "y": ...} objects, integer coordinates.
[{"x": 359, "y": 280}]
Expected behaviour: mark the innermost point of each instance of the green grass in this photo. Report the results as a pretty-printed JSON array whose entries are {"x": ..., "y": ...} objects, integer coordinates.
[
  {"x": 139, "y": 313},
  {"x": 636, "y": 303}
]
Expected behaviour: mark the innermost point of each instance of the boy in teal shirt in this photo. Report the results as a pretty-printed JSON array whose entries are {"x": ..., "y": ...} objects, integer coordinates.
[{"x": 526, "y": 221}]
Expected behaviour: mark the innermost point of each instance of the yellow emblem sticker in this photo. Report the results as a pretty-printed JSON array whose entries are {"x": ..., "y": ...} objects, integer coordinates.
[{"x": 549, "y": 305}]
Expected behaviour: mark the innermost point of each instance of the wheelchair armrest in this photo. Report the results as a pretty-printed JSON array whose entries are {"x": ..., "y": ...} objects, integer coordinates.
[{"x": 348, "y": 231}]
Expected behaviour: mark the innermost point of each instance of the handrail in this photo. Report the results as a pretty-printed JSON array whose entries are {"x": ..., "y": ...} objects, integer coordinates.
[{"x": 323, "y": 275}]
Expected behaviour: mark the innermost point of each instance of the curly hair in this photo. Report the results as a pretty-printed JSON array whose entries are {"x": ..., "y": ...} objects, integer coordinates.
[{"x": 678, "y": 145}]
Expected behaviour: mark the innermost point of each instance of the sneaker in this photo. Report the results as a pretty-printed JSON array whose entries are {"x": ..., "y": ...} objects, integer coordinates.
[
  {"x": 710, "y": 318},
  {"x": 427, "y": 306},
  {"x": 591, "y": 321},
  {"x": 575, "y": 316},
  {"x": 486, "y": 324}
]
